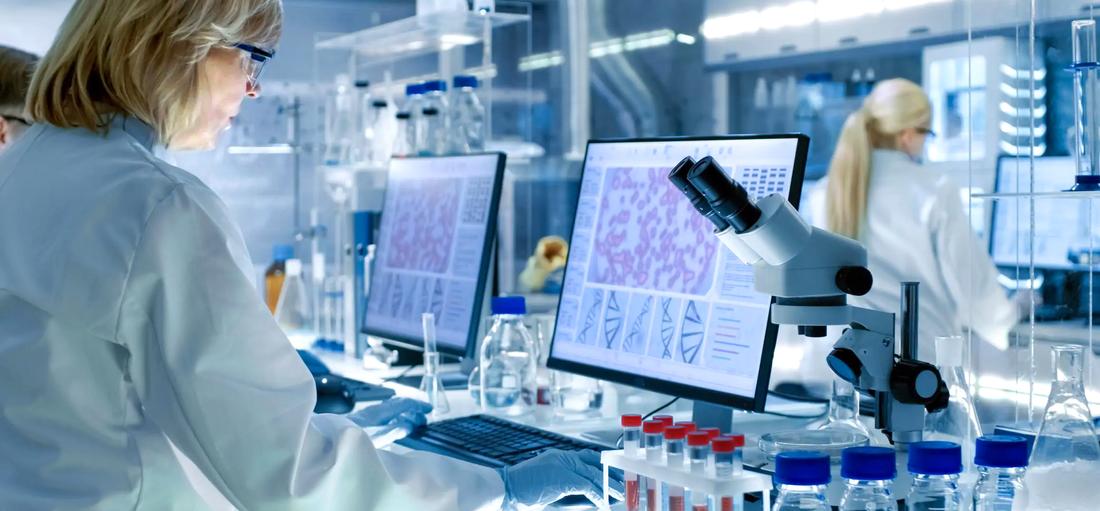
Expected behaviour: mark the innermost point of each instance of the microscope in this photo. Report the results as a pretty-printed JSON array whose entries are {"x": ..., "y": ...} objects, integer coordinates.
[{"x": 810, "y": 272}]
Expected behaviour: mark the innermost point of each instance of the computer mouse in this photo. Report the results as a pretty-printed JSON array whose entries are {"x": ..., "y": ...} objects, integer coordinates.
[{"x": 332, "y": 396}]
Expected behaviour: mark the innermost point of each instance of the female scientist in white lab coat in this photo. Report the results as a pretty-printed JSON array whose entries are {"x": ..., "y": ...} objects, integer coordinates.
[
  {"x": 130, "y": 332},
  {"x": 912, "y": 222}
]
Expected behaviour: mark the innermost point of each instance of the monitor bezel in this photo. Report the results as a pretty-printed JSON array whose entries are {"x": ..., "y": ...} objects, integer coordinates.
[
  {"x": 1001, "y": 159},
  {"x": 757, "y": 401},
  {"x": 484, "y": 277}
]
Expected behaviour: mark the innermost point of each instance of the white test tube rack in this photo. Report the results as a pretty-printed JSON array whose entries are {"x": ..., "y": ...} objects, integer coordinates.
[{"x": 746, "y": 482}]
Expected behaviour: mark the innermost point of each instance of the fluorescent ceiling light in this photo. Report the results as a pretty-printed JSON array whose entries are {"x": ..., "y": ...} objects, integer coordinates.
[
  {"x": 800, "y": 14},
  {"x": 457, "y": 39},
  {"x": 1011, "y": 111},
  {"x": 740, "y": 23},
  {"x": 649, "y": 39},
  {"x": 897, "y": 5},
  {"x": 541, "y": 61},
  {"x": 1021, "y": 74},
  {"x": 1022, "y": 131},
  {"x": 261, "y": 149},
  {"x": 1015, "y": 150},
  {"x": 1013, "y": 92},
  {"x": 838, "y": 10}
]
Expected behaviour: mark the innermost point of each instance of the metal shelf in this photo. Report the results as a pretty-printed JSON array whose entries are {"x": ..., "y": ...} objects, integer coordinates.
[
  {"x": 420, "y": 35},
  {"x": 1039, "y": 195}
]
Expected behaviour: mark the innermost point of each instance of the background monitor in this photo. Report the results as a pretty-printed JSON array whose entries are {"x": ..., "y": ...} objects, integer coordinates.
[
  {"x": 1061, "y": 226},
  {"x": 651, "y": 298},
  {"x": 434, "y": 249}
]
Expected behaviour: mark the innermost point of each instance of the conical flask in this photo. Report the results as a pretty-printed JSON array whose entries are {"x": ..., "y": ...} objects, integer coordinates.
[
  {"x": 959, "y": 421},
  {"x": 430, "y": 384},
  {"x": 1067, "y": 433},
  {"x": 292, "y": 311},
  {"x": 844, "y": 410}
]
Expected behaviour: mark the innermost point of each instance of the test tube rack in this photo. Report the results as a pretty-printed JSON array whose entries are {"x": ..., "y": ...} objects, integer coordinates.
[{"x": 747, "y": 482}]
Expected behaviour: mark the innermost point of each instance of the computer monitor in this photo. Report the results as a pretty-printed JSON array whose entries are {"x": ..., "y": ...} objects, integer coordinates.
[
  {"x": 651, "y": 298},
  {"x": 1061, "y": 226},
  {"x": 434, "y": 250}
]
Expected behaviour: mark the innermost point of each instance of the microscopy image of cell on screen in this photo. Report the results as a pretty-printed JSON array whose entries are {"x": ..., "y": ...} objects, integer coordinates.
[
  {"x": 423, "y": 224},
  {"x": 649, "y": 237}
]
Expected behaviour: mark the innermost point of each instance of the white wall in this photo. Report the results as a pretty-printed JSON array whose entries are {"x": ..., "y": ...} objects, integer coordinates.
[{"x": 31, "y": 25}]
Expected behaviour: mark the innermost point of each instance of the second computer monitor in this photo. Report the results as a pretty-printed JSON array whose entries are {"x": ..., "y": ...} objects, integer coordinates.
[
  {"x": 434, "y": 249},
  {"x": 651, "y": 298},
  {"x": 1061, "y": 226}
]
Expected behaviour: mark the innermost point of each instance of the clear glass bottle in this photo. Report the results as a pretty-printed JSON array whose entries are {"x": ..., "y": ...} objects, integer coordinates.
[
  {"x": 414, "y": 105},
  {"x": 1001, "y": 462},
  {"x": 340, "y": 123},
  {"x": 868, "y": 474},
  {"x": 364, "y": 139},
  {"x": 935, "y": 467},
  {"x": 844, "y": 410},
  {"x": 404, "y": 139},
  {"x": 800, "y": 479},
  {"x": 467, "y": 117},
  {"x": 507, "y": 363},
  {"x": 432, "y": 136},
  {"x": 293, "y": 313},
  {"x": 958, "y": 422}
]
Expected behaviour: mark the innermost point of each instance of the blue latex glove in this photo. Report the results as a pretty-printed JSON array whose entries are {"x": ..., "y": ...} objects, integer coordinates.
[
  {"x": 399, "y": 411},
  {"x": 555, "y": 474}
]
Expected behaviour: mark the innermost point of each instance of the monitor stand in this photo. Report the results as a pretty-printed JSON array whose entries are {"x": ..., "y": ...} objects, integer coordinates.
[{"x": 707, "y": 415}]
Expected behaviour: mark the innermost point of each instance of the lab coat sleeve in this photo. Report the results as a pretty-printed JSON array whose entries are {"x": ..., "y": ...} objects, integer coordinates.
[
  {"x": 968, "y": 272},
  {"x": 216, "y": 374}
]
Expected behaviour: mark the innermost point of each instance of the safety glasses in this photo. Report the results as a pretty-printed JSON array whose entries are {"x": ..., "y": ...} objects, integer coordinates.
[{"x": 255, "y": 61}]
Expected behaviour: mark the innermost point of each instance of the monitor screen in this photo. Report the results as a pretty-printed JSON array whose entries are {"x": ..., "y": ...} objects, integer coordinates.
[
  {"x": 651, "y": 298},
  {"x": 434, "y": 249},
  {"x": 1061, "y": 226}
]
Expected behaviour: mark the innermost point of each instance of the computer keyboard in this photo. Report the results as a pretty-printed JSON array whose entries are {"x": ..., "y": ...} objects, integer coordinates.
[{"x": 491, "y": 441}]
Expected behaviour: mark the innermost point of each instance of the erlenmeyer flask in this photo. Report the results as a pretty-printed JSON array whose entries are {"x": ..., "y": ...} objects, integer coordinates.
[
  {"x": 293, "y": 312},
  {"x": 959, "y": 421},
  {"x": 1067, "y": 433},
  {"x": 844, "y": 410}
]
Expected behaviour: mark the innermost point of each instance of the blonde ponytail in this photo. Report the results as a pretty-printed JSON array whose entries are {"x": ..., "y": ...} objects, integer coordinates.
[
  {"x": 849, "y": 173},
  {"x": 894, "y": 105}
]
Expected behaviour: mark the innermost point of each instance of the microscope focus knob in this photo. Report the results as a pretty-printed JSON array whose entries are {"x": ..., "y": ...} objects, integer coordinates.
[
  {"x": 915, "y": 382},
  {"x": 854, "y": 280}
]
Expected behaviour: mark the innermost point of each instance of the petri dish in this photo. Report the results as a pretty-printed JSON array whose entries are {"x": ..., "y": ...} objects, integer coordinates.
[{"x": 826, "y": 441}]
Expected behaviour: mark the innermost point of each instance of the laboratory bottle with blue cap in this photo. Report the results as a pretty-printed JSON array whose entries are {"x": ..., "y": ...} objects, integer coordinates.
[
  {"x": 935, "y": 467},
  {"x": 1001, "y": 462},
  {"x": 508, "y": 360},
  {"x": 800, "y": 479},
  {"x": 868, "y": 474}
]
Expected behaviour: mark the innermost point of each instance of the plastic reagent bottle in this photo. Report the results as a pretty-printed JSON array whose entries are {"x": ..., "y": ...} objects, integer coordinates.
[
  {"x": 868, "y": 473},
  {"x": 467, "y": 117},
  {"x": 728, "y": 464},
  {"x": 435, "y": 130},
  {"x": 801, "y": 478},
  {"x": 935, "y": 467},
  {"x": 698, "y": 453},
  {"x": 632, "y": 448},
  {"x": 1001, "y": 462},
  {"x": 508, "y": 359},
  {"x": 674, "y": 459},
  {"x": 414, "y": 105},
  {"x": 654, "y": 438}
]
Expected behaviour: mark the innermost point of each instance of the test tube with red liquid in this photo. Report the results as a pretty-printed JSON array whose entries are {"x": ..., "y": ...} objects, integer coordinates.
[
  {"x": 728, "y": 464},
  {"x": 698, "y": 453},
  {"x": 674, "y": 459},
  {"x": 654, "y": 440},
  {"x": 632, "y": 448}
]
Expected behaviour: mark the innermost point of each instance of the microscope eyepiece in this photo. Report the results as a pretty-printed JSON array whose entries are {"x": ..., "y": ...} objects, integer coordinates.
[
  {"x": 679, "y": 179},
  {"x": 726, "y": 196}
]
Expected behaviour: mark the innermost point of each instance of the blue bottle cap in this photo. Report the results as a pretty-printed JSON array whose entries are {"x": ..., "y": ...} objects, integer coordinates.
[
  {"x": 868, "y": 463},
  {"x": 802, "y": 468},
  {"x": 435, "y": 85},
  {"x": 465, "y": 81},
  {"x": 513, "y": 305},
  {"x": 282, "y": 252},
  {"x": 1001, "y": 451},
  {"x": 413, "y": 89},
  {"x": 935, "y": 458}
]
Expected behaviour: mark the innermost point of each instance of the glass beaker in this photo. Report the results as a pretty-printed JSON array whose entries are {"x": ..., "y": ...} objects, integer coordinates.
[
  {"x": 958, "y": 422},
  {"x": 575, "y": 395},
  {"x": 1067, "y": 433},
  {"x": 844, "y": 410}
]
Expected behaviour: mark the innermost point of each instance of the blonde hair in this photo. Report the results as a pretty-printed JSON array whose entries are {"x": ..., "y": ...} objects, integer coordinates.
[
  {"x": 893, "y": 106},
  {"x": 141, "y": 58}
]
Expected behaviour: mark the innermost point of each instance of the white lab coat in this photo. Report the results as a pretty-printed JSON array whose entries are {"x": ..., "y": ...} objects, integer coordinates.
[
  {"x": 128, "y": 321},
  {"x": 916, "y": 230}
]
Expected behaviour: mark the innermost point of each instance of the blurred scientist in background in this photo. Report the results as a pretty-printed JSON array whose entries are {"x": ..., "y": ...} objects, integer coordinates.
[
  {"x": 15, "y": 76},
  {"x": 129, "y": 324}
]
